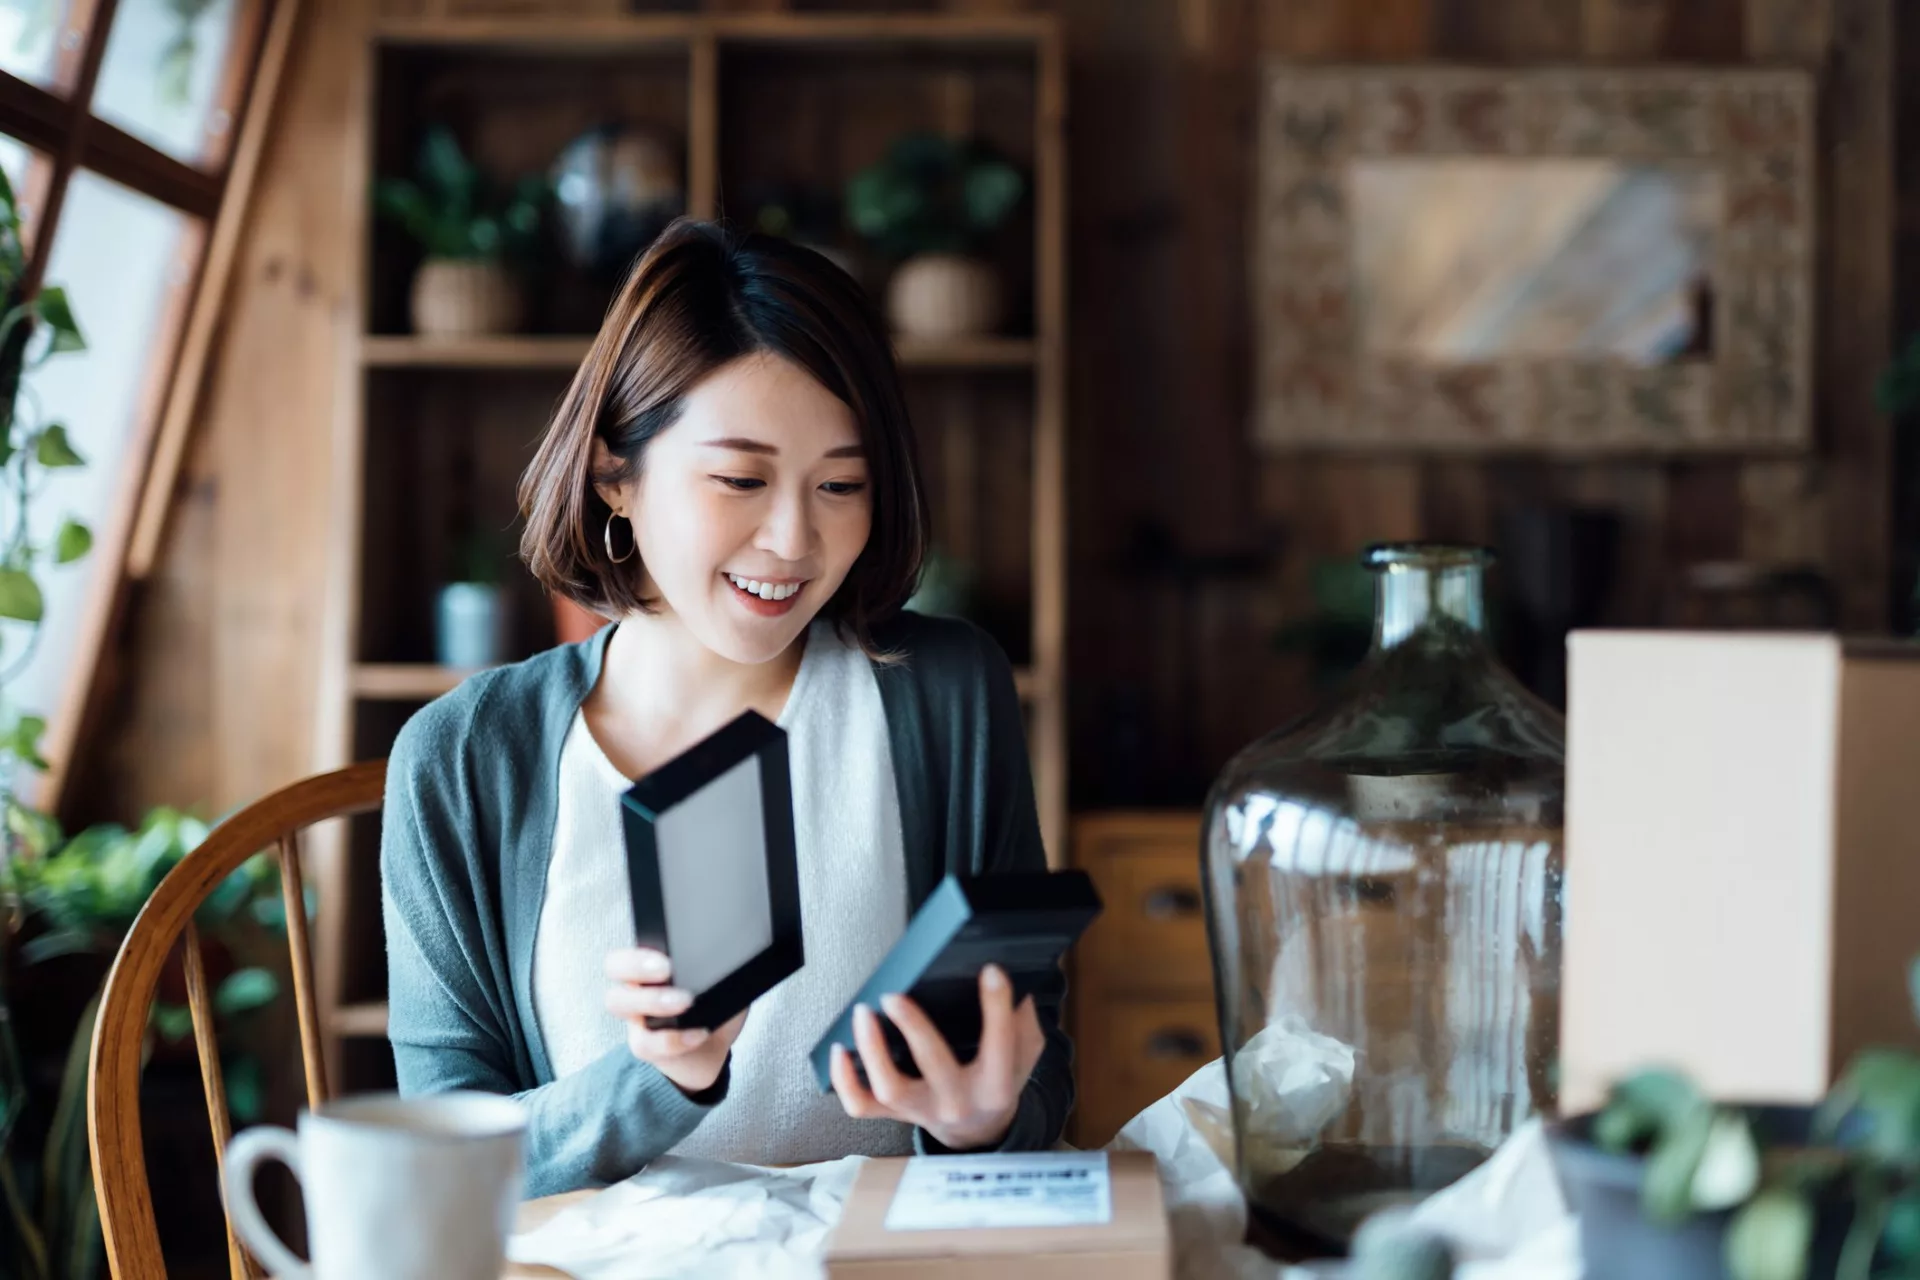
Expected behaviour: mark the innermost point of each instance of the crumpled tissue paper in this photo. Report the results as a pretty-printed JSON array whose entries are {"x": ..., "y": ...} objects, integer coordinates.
[
  {"x": 683, "y": 1217},
  {"x": 707, "y": 1218},
  {"x": 1295, "y": 1083},
  {"x": 1506, "y": 1220}
]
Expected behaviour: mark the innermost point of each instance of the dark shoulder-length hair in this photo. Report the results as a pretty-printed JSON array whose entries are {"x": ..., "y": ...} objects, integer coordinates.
[{"x": 701, "y": 297}]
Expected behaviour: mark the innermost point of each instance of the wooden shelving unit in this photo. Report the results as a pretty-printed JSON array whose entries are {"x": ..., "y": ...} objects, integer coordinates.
[
  {"x": 405, "y": 351},
  {"x": 565, "y": 351},
  {"x": 420, "y": 681},
  {"x": 436, "y": 431}
]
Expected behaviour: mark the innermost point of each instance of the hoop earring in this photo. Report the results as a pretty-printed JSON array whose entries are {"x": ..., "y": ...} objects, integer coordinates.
[{"x": 608, "y": 539}]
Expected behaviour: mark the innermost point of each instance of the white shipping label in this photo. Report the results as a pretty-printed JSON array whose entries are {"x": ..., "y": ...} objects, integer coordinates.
[{"x": 1038, "y": 1189}]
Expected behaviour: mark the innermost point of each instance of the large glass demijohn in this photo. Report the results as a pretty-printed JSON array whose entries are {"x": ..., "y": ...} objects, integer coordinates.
[{"x": 1384, "y": 902}]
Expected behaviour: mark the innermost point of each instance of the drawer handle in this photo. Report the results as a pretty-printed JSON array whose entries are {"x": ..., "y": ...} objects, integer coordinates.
[
  {"x": 1176, "y": 1042},
  {"x": 1170, "y": 901}
]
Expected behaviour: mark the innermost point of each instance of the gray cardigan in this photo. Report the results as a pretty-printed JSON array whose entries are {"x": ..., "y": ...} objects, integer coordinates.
[{"x": 468, "y": 829}]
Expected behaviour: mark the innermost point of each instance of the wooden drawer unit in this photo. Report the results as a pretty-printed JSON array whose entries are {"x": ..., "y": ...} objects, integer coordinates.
[
  {"x": 1136, "y": 1051},
  {"x": 1142, "y": 1004},
  {"x": 1152, "y": 936}
]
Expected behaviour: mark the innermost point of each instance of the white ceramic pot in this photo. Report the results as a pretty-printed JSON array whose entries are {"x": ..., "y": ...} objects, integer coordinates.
[
  {"x": 937, "y": 296},
  {"x": 454, "y": 298},
  {"x": 470, "y": 628}
]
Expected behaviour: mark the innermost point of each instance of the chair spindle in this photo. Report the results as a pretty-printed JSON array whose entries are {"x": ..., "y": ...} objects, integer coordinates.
[
  {"x": 206, "y": 1047},
  {"x": 293, "y": 893}
]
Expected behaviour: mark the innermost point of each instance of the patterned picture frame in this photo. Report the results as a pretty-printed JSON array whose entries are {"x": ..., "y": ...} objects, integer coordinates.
[{"x": 1316, "y": 385}]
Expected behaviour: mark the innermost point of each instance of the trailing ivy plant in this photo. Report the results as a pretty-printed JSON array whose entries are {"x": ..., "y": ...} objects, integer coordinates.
[
  {"x": 32, "y": 331},
  {"x": 1863, "y": 1159},
  {"x": 63, "y": 896}
]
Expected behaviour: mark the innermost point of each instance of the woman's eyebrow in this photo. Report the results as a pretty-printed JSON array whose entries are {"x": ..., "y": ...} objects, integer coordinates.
[{"x": 740, "y": 444}]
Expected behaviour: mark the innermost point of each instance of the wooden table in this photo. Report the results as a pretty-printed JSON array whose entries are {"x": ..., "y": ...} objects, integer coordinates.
[{"x": 533, "y": 1214}]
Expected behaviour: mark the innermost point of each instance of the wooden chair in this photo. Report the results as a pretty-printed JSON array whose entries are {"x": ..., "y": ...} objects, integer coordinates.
[{"x": 113, "y": 1079}]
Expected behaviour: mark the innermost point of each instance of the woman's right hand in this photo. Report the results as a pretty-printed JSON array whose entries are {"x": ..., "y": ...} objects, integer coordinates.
[{"x": 691, "y": 1059}]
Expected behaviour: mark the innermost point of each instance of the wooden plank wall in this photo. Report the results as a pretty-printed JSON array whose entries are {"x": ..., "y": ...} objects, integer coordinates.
[
  {"x": 219, "y": 701},
  {"x": 1169, "y": 672},
  {"x": 1186, "y": 232}
]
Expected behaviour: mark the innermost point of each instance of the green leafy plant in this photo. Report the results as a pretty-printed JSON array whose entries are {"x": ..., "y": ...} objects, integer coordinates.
[
  {"x": 32, "y": 331},
  {"x": 1864, "y": 1154},
  {"x": 454, "y": 211},
  {"x": 933, "y": 194},
  {"x": 60, "y": 896},
  {"x": 80, "y": 897},
  {"x": 48, "y": 1201}
]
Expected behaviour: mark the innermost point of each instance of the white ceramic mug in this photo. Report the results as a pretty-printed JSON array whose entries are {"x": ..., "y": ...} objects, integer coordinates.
[{"x": 402, "y": 1188}]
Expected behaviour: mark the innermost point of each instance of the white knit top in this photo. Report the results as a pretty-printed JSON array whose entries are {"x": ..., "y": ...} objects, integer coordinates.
[{"x": 853, "y": 905}]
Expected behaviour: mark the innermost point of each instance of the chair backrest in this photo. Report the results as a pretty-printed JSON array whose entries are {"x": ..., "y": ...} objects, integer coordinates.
[{"x": 113, "y": 1078}]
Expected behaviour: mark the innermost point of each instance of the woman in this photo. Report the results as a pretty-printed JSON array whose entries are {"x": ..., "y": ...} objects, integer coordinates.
[{"x": 732, "y": 478}]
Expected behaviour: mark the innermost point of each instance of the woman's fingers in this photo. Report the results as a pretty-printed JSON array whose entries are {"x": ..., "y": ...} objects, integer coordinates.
[
  {"x": 961, "y": 1107},
  {"x": 1032, "y": 1041},
  {"x": 994, "y": 1067},
  {"x": 626, "y": 1000},
  {"x": 884, "y": 1080},
  {"x": 855, "y": 1098},
  {"x": 931, "y": 1053},
  {"x": 661, "y": 1046},
  {"x": 638, "y": 964}
]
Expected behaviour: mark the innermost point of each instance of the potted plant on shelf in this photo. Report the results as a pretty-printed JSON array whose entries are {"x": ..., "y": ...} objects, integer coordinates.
[
  {"x": 1669, "y": 1185},
  {"x": 470, "y": 624},
  {"x": 471, "y": 232},
  {"x": 931, "y": 204}
]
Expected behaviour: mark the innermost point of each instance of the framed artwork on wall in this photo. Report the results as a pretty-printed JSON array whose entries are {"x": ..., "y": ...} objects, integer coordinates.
[{"x": 1570, "y": 261}]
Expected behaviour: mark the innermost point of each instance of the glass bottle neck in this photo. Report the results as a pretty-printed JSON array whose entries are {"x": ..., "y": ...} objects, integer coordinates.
[{"x": 1410, "y": 599}]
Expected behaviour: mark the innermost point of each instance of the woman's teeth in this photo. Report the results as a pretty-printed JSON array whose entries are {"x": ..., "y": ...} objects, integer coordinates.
[{"x": 765, "y": 590}]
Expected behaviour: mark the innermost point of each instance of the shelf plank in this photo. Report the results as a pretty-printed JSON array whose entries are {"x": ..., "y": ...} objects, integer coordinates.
[
  {"x": 591, "y": 35},
  {"x": 514, "y": 351},
  {"x": 405, "y": 681},
  {"x": 566, "y": 351},
  {"x": 419, "y": 681},
  {"x": 967, "y": 353},
  {"x": 368, "y": 1019}
]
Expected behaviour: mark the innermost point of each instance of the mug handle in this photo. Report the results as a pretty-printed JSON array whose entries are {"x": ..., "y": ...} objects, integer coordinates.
[{"x": 245, "y": 1154}]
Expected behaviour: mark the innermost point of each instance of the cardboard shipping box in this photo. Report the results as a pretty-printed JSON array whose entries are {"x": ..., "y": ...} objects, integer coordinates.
[
  {"x": 1742, "y": 859},
  {"x": 1132, "y": 1245}
]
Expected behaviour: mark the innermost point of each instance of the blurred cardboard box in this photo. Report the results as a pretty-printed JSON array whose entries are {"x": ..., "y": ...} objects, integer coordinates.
[
  {"x": 898, "y": 1219},
  {"x": 1743, "y": 859}
]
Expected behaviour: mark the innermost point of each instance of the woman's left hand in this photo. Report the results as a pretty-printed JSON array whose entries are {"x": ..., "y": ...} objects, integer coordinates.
[{"x": 962, "y": 1107}]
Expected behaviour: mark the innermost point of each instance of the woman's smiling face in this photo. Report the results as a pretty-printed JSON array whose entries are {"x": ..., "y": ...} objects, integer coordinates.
[{"x": 749, "y": 511}]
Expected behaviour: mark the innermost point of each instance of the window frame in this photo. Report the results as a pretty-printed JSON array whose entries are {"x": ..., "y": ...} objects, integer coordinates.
[{"x": 64, "y": 136}]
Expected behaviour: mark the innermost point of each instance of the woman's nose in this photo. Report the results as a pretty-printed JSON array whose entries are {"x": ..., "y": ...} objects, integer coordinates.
[{"x": 787, "y": 532}]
